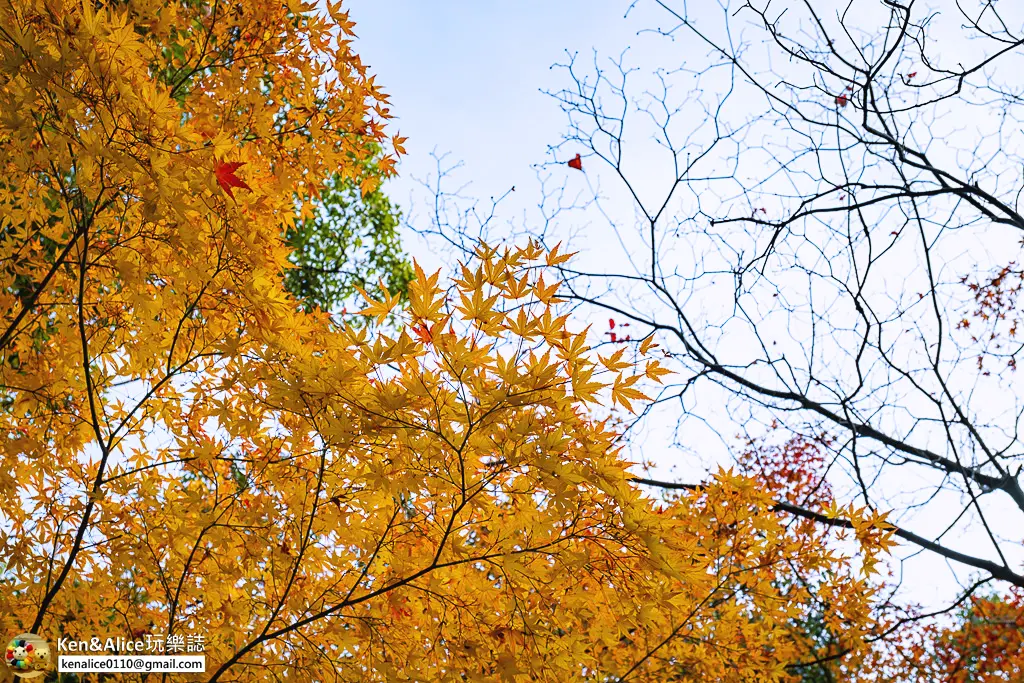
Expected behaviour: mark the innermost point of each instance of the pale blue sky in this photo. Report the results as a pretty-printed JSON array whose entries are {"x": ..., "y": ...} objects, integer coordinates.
[{"x": 465, "y": 76}]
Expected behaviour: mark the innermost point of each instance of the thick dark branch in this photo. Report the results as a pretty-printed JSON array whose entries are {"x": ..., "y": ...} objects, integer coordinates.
[
  {"x": 29, "y": 303},
  {"x": 1007, "y": 482},
  {"x": 996, "y": 570}
]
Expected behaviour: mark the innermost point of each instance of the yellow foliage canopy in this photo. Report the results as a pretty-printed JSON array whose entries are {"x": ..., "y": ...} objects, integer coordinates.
[{"x": 186, "y": 451}]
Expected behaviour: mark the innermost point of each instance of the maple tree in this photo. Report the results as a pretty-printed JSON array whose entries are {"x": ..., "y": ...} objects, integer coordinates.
[
  {"x": 987, "y": 644},
  {"x": 188, "y": 450},
  {"x": 980, "y": 642}
]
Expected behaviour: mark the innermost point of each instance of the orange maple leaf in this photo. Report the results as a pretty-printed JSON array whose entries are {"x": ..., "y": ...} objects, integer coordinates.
[
  {"x": 423, "y": 333},
  {"x": 225, "y": 172},
  {"x": 576, "y": 162}
]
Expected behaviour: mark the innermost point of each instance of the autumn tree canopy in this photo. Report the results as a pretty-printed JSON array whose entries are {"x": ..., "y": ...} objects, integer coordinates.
[{"x": 188, "y": 448}]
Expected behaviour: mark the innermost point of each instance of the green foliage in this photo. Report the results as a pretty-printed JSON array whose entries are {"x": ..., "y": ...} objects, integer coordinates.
[
  {"x": 351, "y": 243},
  {"x": 817, "y": 631}
]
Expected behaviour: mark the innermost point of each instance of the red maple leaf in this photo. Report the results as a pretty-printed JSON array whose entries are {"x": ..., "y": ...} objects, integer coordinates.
[
  {"x": 841, "y": 100},
  {"x": 225, "y": 172},
  {"x": 911, "y": 74},
  {"x": 576, "y": 163},
  {"x": 611, "y": 323}
]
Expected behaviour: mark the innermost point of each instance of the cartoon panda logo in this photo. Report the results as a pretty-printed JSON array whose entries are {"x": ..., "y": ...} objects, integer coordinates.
[{"x": 19, "y": 654}]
